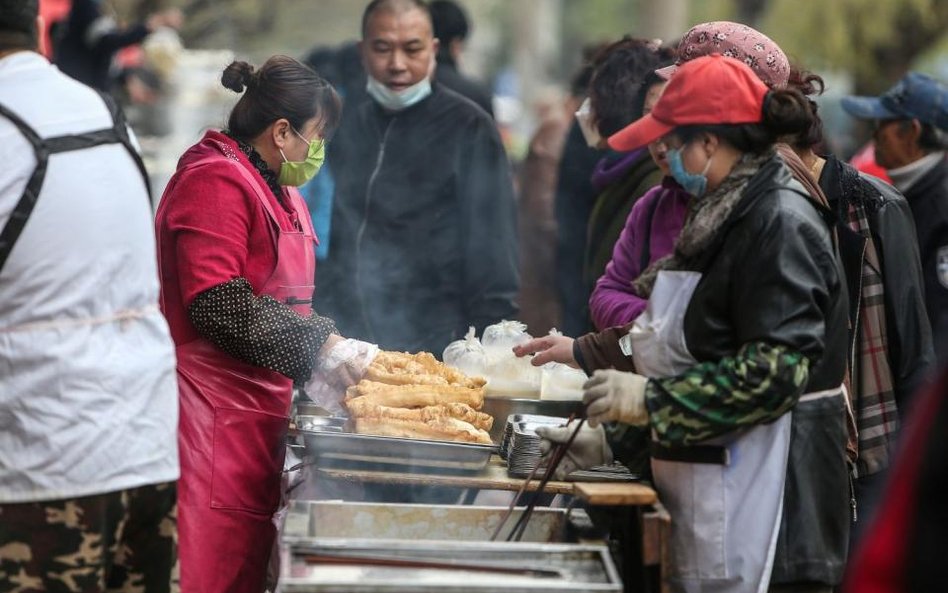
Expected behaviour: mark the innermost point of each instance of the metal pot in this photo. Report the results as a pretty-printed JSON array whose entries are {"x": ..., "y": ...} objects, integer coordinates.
[{"x": 501, "y": 407}]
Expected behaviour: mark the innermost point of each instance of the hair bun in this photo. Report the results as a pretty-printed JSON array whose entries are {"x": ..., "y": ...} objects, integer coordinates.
[{"x": 237, "y": 76}]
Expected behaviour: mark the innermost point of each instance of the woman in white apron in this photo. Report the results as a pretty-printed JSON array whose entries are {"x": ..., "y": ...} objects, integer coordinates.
[{"x": 746, "y": 321}]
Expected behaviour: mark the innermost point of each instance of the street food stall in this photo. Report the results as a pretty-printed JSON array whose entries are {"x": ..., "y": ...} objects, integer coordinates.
[{"x": 416, "y": 422}]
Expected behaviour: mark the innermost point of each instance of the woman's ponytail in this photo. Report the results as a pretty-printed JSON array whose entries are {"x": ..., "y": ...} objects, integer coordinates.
[
  {"x": 786, "y": 112},
  {"x": 237, "y": 76}
]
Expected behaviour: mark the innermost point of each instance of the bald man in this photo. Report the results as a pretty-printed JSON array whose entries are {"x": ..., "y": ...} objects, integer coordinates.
[{"x": 423, "y": 228}]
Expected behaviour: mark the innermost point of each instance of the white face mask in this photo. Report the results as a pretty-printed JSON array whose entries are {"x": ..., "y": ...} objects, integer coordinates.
[
  {"x": 587, "y": 125},
  {"x": 398, "y": 100}
]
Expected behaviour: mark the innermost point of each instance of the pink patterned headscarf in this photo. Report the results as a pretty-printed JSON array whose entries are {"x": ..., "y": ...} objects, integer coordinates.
[{"x": 737, "y": 41}]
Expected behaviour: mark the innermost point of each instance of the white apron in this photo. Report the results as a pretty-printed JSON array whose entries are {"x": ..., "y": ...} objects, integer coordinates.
[{"x": 724, "y": 518}]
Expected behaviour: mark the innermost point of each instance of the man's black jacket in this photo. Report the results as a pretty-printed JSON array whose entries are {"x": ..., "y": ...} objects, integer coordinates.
[{"x": 424, "y": 225}]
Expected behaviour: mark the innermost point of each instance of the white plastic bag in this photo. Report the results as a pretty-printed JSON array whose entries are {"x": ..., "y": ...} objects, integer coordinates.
[
  {"x": 508, "y": 375},
  {"x": 467, "y": 355},
  {"x": 505, "y": 334},
  {"x": 322, "y": 389}
]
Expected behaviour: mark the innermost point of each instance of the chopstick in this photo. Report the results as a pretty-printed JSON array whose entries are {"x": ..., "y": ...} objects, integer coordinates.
[
  {"x": 559, "y": 454},
  {"x": 555, "y": 455},
  {"x": 513, "y": 503}
]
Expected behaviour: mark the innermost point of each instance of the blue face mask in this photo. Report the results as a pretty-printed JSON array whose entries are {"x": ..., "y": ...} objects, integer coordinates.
[
  {"x": 398, "y": 100},
  {"x": 693, "y": 183}
]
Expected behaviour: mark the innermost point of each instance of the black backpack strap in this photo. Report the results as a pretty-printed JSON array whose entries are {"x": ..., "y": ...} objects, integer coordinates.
[
  {"x": 24, "y": 207},
  {"x": 43, "y": 148},
  {"x": 645, "y": 255},
  {"x": 121, "y": 131}
]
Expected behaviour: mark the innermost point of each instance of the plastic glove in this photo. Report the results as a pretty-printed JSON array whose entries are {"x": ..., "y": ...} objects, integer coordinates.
[
  {"x": 341, "y": 363},
  {"x": 589, "y": 448},
  {"x": 615, "y": 396}
]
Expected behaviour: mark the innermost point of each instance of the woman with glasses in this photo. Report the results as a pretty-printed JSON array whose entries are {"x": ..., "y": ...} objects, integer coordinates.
[{"x": 237, "y": 264}]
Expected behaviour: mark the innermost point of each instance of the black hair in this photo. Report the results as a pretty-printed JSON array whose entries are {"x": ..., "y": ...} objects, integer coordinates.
[
  {"x": 650, "y": 80},
  {"x": 449, "y": 21},
  {"x": 618, "y": 72},
  {"x": 810, "y": 85},
  {"x": 18, "y": 24},
  {"x": 281, "y": 88},
  {"x": 786, "y": 112},
  {"x": 399, "y": 5}
]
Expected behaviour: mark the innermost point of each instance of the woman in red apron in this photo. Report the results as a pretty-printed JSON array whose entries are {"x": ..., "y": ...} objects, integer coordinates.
[{"x": 237, "y": 267}]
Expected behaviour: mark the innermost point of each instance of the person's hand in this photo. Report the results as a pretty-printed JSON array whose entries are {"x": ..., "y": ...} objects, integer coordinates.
[
  {"x": 615, "y": 396},
  {"x": 342, "y": 361},
  {"x": 589, "y": 448},
  {"x": 548, "y": 349}
]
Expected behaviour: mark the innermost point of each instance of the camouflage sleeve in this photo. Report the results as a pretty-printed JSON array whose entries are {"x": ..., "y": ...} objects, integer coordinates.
[{"x": 756, "y": 386}]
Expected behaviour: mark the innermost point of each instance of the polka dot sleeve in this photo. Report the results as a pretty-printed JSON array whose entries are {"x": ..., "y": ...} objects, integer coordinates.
[{"x": 260, "y": 330}]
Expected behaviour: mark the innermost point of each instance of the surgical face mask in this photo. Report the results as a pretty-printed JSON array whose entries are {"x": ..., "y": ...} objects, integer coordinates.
[
  {"x": 398, "y": 100},
  {"x": 297, "y": 173},
  {"x": 587, "y": 124},
  {"x": 693, "y": 183}
]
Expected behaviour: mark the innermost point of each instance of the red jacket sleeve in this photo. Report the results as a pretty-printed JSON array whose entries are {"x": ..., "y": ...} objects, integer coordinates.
[{"x": 210, "y": 222}]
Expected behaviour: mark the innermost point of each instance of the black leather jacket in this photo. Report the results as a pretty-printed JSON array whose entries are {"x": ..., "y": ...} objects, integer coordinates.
[
  {"x": 775, "y": 277},
  {"x": 908, "y": 340}
]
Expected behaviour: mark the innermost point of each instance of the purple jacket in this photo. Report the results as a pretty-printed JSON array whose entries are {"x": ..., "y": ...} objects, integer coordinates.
[{"x": 613, "y": 303}]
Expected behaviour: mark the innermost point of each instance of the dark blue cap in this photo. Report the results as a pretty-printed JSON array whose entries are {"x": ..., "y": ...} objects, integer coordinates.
[{"x": 916, "y": 96}]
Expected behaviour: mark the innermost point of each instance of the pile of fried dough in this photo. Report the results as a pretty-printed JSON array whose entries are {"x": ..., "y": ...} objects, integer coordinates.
[{"x": 415, "y": 396}]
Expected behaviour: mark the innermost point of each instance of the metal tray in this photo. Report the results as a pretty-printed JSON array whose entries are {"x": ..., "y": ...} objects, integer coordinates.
[
  {"x": 335, "y": 449},
  {"x": 578, "y": 568},
  {"x": 375, "y": 520}
]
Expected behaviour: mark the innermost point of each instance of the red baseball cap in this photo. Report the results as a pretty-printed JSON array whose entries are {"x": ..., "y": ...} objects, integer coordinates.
[{"x": 709, "y": 90}]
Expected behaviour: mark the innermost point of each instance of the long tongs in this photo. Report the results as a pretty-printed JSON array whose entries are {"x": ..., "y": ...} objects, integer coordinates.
[{"x": 555, "y": 456}]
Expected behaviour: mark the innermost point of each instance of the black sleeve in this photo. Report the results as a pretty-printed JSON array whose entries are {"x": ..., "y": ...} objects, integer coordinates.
[
  {"x": 116, "y": 39},
  {"x": 260, "y": 330},
  {"x": 908, "y": 331},
  {"x": 485, "y": 189}
]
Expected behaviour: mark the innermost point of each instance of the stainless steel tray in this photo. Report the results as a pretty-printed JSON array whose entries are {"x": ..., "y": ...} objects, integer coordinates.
[
  {"x": 568, "y": 567},
  {"x": 374, "y": 520},
  {"x": 335, "y": 449}
]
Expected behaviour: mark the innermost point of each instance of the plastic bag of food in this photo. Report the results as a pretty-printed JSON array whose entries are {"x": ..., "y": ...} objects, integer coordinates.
[
  {"x": 466, "y": 355},
  {"x": 505, "y": 334},
  {"x": 507, "y": 375},
  {"x": 561, "y": 382}
]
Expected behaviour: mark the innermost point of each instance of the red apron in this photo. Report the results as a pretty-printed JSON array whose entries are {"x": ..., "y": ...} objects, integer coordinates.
[{"x": 232, "y": 434}]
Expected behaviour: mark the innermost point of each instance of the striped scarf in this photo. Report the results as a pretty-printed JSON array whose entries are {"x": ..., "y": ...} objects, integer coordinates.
[{"x": 872, "y": 381}]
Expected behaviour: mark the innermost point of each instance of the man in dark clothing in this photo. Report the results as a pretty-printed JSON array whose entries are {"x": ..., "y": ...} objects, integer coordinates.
[
  {"x": 423, "y": 231},
  {"x": 911, "y": 122},
  {"x": 451, "y": 29},
  {"x": 89, "y": 39},
  {"x": 575, "y": 196}
]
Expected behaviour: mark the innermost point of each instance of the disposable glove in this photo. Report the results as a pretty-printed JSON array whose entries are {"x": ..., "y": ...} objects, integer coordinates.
[
  {"x": 615, "y": 396},
  {"x": 341, "y": 363},
  {"x": 589, "y": 448}
]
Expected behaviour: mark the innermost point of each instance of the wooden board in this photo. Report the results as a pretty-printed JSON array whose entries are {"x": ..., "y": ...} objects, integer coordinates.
[
  {"x": 614, "y": 494},
  {"x": 495, "y": 477}
]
